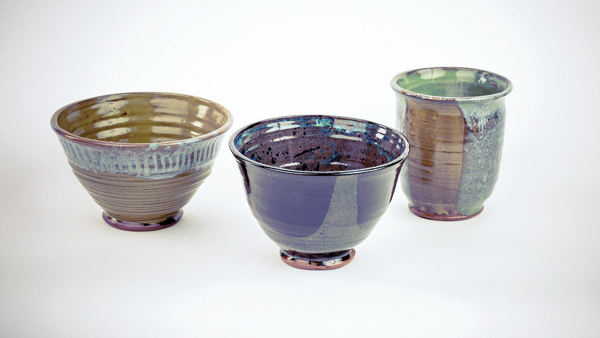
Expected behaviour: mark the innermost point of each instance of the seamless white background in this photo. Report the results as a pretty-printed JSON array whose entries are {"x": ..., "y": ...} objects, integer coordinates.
[{"x": 528, "y": 266}]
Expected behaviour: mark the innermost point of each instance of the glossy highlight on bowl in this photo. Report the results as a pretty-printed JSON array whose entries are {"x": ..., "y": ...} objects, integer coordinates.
[
  {"x": 141, "y": 156},
  {"x": 318, "y": 185},
  {"x": 454, "y": 120}
]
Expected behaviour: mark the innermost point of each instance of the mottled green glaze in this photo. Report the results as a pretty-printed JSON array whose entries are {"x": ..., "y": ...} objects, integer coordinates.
[{"x": 455, "y": 84}]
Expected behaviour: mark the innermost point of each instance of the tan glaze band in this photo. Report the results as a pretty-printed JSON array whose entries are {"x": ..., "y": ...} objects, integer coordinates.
[
  {"x": 435, "y": 132},
  {"x": 137, "y": 200}
]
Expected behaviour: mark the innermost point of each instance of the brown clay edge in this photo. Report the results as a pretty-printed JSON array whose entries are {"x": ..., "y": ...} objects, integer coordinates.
[
  {"x": 437, "y": 217},
  {"x": 311, "y": 265},
  {"x": 139, "y": 227}
]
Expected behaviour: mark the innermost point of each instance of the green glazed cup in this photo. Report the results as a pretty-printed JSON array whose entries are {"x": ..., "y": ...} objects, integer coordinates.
[
  {"x": 141, "y": 156},
  {"x": 454, "y": 121}
]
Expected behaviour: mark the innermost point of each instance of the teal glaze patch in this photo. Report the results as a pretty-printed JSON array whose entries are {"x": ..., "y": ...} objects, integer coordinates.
[
  {"x": 340, "y": 224},
  {"x": 151, "y": 162},
  {"x": 482, "y": 116},
  {"x": 482, "y": 152}
]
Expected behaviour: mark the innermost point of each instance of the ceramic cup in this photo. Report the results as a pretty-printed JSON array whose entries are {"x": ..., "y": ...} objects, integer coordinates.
[
  {"x": 454, "y": 120},
  {"x": 317, "y": 185},
  {"x": 141, "y": 156}
]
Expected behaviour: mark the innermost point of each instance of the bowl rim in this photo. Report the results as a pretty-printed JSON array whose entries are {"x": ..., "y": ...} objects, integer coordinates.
[
  {"x": 407, "y": 92},
  {"x": 70, "y": 136},
  {"x": 240, "y": 157}
]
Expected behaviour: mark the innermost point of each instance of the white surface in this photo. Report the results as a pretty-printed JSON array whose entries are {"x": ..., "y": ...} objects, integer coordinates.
[{"x": 528, "y": 266}]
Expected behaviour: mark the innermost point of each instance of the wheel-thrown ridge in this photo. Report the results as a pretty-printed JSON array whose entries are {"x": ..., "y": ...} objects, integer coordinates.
[{"x": 132, "y": 199}]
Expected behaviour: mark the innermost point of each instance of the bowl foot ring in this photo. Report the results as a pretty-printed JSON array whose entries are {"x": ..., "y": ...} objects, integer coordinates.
[
  {"x": 133, "y": 226},
  {"x": 437, "y": 217},
  {"x": 319, "y": 261}
]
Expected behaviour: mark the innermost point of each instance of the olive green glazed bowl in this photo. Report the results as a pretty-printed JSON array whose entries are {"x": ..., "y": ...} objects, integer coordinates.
[{"x": 141, "y": 156}]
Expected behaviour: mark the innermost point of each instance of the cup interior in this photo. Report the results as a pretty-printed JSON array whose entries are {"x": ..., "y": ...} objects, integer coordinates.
[
  {"x": 452, "y": 82},
  {"x": 142, "y": 118},
  {"x": 319, "y": 143}
]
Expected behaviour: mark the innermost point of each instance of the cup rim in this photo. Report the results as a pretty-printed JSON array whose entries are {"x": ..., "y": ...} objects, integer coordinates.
[
  {"x": 407, "y": 92},
  {"x": 68, "y": 135},
  {"x": 240, "y": 157}
]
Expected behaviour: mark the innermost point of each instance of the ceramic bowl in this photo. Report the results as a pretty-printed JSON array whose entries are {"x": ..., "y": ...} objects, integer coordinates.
[
  {"x": 317, "y": 185},
  {"x": 141, "y": 156},
  {"x": 454, "y": 120}
]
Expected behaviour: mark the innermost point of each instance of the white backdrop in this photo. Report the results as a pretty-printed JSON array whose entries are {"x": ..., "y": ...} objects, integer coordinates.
[{"x": 528, "y": 266}]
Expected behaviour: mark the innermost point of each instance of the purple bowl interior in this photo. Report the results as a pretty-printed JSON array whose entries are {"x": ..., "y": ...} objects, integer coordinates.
[{"x": 320, "y": 143}]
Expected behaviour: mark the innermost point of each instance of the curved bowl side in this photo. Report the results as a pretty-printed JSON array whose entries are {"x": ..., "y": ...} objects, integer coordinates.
[{"x": 317, "y": 214}]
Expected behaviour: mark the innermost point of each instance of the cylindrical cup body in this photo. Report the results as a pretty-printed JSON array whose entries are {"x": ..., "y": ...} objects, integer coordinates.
[{"x": 455, "y": 126}]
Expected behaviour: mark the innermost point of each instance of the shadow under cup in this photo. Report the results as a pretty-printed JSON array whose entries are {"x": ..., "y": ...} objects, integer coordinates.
[
  {"x": 317, "y": 185},
  {"x": 141, "y": 156}
]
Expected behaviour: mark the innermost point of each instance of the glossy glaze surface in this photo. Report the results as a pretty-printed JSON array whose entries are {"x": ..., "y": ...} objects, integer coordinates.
[
  {"x": 329, "y": 261},
  {"x": 454, "y": 120},
  {"x": 318, "y": 184},
  {"x": 141, "y": 156}
]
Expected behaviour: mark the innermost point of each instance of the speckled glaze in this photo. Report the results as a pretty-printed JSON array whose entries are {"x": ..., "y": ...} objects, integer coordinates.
[
  {"x": 454, "y": 120},
  {"x": 141, "y": 156},
  {"x": 317, "y": 185}
]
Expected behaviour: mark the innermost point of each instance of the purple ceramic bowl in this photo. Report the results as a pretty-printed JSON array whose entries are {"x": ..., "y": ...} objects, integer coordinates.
[{"x": 317, "y": 185}]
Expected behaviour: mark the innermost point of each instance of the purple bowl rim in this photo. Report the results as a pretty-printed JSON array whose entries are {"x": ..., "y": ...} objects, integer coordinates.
[
  {"x": 240, "y": 157},
  {"x": 72, "y": 137},
  {"x": 407, "y": 92}
]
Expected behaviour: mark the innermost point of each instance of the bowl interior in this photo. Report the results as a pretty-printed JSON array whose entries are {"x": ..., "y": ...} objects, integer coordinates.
[
  {"x": 319, "y": 143},
  {"x": 452, "y": 82},
  {"x": 142, "y": 118}
]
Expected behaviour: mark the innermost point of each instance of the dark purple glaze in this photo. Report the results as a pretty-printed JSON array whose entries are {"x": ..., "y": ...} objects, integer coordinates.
[{"x": 318, "y": 184}]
